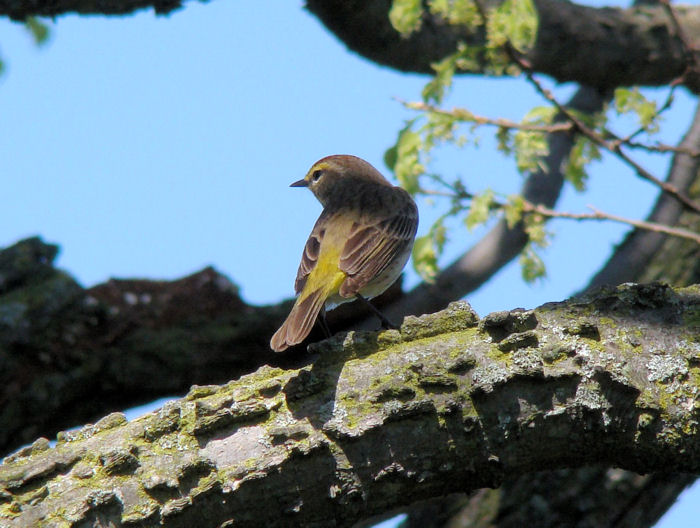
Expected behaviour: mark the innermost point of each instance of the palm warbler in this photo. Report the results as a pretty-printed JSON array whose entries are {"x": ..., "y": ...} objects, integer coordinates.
[{"x": 357, "y": 248}]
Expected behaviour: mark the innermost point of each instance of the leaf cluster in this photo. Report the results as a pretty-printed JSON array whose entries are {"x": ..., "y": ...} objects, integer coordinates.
[{"x": 511, "y": 30}]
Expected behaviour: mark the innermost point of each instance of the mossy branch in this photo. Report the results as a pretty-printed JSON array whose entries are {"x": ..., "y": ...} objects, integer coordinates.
[{"x": 447, "y": 403}]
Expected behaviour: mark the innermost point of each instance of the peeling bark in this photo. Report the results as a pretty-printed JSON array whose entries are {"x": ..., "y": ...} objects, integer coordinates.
[{"x": 449, "y": 403}]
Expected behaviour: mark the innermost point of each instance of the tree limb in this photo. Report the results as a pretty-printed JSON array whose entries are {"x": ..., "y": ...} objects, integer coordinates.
[
  {"x": 69, "y": 355},
  {"x": 447, "y": 404},
  {"x": 633, "y": 46},
  {"x": 632, "y": 257}
]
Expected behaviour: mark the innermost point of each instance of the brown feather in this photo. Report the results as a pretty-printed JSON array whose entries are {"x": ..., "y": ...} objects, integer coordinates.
[
  {"x": 372, "y": 247},
  {"x": 299, "y": 322}
]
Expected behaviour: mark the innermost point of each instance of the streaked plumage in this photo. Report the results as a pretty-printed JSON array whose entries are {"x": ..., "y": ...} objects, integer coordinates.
[{"x": 359, "y": 244}]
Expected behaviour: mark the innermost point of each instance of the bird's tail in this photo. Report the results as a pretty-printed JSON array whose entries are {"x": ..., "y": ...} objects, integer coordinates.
[{"x": 300, "y": 321}]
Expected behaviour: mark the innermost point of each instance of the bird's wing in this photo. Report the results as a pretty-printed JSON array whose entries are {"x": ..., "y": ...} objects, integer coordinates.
[
  {"x": 311, "y": 250},
  {"x": 372, "y": 246}
]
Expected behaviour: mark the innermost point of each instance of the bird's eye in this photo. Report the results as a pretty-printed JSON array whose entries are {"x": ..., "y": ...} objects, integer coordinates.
[{"x": 317, "y": 175}]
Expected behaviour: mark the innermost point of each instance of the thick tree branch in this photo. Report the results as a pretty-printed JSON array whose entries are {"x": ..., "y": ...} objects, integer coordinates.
[
  {"x": 635, "y": 46},
  {"x": 69, "y": 355},
  {"x": 630, "y": 46},
  {"x": 448, "y": 403}
]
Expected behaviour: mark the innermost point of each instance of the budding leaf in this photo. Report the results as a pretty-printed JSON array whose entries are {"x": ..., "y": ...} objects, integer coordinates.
[
  {"x": 405, "y": 16},
  {"x": 631, "y": 100},
  {"x": 462, "y": 12},
  {"x": 582, "y": 153},
  {"x": 531, "y": 264},
  {"x": 480, "y": 209},
  {"x": 530, "y": 149},
  {"x": 403, "y": 158},
  {"x": 513, "y": 210},
  {"x": 425, "y": 257}
]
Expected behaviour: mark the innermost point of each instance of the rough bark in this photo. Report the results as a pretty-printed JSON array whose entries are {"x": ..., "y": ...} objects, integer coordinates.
[
  {"x": 70, "y": 355},
  {"x": 447, "y": 404}
]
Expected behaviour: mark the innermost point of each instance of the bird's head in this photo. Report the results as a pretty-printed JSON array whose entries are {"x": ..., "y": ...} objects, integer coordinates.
[{"x": 337, "y": 175}]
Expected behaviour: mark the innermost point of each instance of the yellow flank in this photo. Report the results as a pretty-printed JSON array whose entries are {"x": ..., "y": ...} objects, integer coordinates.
[{"x": 326, "y": 275}]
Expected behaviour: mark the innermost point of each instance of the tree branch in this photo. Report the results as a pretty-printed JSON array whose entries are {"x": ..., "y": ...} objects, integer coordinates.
[
  {"x": 632, "y": 257},
  {"x": 634, "y": 46},
  {"x": 615, "y": 147},
  {"x": 69, "y": 355},
  {"x": 601, "y": 215},
  {"x": 448, "y": 403}
]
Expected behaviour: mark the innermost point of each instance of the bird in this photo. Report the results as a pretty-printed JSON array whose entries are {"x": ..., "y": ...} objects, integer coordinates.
[{"x": 357, "y": 248}]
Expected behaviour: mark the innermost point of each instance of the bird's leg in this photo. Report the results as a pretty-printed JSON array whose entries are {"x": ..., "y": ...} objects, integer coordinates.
[
  {"x": 323, "y": 323},
  {"x": 385, "y": 322}
]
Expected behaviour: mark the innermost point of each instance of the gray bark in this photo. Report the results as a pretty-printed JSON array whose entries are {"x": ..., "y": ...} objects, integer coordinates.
[{"x": 447, "y": 404}]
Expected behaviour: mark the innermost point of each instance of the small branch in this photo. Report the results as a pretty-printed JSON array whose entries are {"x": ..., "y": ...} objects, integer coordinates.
[
  {"x": 662, "y": 148},
  {"x": 600, "y": 215},
  {"x": 464, "y": 115},
  {"x": 613, "y": 147},
  {"x": 597, "y": 214}
]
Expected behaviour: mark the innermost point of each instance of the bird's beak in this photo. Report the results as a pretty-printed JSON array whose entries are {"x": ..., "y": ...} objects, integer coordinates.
[{"x": 300, "y": 183}]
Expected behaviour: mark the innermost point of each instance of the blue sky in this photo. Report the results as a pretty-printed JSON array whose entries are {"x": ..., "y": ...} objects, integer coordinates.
[{"x": 153, "y": 146}]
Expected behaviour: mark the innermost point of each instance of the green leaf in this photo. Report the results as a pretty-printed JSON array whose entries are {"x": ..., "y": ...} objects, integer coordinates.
[
  {"x": 480, "y": 209},
  {"x": 513, "y": 210},
  {"x": 534, "y": 228},
  {"x": 425, "y": 257},
  {"x": 403, "y": 158},
  {"x": 439, "y": 233},
  {"x": 405, "y": 16},
  {"x": 531, "y": 264},
  {"x": 436, "y": 89},
  {"x": 632, "y": 101},
  {"x": 505, "y": 140},
  {"x": 530, "y": 150},
  {"x": 39, "y": 31},
  {"x": 462, "y": 12},
  {"x": 514, "y": 23},
  {"x": 540, "y": 115},
  {"x": 439, "y": 127},
  {"x": 582, "y": 153}
]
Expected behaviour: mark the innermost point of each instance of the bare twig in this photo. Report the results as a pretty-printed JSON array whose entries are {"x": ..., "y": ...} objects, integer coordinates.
[
  {"x": 613, "y": 147},
  {"x": 464, "y": 115},
  {"x": 663, "y": 148},
  {"x": 600, "y": 215},
  {"x": 596, "y": 214}
]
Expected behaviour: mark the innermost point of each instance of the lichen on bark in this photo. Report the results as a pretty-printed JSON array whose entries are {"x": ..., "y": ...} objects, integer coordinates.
[{"x": 379, "y": 420}]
